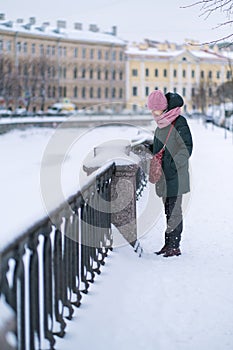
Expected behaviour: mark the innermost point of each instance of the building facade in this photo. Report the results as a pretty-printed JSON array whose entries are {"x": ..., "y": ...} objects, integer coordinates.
[
  {"x": 41, "y": 65},
  {"x": 193, "y": 71}
]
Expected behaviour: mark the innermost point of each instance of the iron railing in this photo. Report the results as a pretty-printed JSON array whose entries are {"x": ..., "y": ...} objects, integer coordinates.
[{"x": 45, "y": 270}]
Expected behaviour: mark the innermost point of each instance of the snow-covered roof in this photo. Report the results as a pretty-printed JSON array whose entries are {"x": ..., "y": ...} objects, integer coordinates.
[
  {"x": 53, "y": 32},
  {"x": 152, "y": 51}
]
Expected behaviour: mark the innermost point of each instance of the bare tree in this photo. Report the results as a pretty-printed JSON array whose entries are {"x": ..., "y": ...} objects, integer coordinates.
[
  {"x": 207, "y": 7},
  {"x": 9, "y": 81}
]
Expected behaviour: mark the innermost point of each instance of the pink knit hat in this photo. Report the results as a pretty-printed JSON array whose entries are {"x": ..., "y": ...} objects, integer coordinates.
[{"x": 157, "y": 101}]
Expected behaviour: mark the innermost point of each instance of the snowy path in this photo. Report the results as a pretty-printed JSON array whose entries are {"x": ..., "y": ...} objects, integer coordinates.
[{"x": 183, "y": 303}]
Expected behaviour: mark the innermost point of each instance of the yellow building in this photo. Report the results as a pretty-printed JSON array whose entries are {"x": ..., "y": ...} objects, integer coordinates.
[
  {"x": 42, "y": 65},
  {"x": 194, "y": 72}
]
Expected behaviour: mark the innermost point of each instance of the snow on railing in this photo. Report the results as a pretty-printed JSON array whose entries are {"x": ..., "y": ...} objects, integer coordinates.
[{"x": 44, "y": 272}]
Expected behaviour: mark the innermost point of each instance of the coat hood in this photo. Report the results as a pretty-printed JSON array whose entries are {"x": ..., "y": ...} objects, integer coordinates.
[{"x": 174, "y": 100}]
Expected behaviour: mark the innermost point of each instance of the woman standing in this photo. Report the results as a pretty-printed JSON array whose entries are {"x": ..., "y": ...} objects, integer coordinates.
[{"x": 175, "y": 179}]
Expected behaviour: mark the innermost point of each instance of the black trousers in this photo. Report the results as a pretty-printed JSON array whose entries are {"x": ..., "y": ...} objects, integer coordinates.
[{"x": 174, "y": 218}]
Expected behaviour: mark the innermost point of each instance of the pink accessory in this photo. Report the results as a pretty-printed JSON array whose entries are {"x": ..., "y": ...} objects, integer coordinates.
[
  {"x": 167, "y": 118},
  {"x": 157, "y": 101}
]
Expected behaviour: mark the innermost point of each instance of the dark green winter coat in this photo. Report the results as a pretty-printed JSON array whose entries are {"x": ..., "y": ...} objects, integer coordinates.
[{"x": 175, "y": 179}]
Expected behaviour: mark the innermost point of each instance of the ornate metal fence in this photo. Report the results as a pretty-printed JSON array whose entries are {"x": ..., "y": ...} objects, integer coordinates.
[{"x": 45, "y": 270}]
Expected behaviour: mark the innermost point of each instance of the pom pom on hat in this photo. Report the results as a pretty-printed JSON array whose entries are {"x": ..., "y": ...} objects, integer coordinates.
[{"x": 157, "y": 101}]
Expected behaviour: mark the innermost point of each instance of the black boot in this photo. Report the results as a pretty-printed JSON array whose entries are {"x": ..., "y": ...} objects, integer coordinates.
[
  {"x": 172, "y": 252},
  {"x": 162, "y": 250},
  {"x": 166, "y": 245}
]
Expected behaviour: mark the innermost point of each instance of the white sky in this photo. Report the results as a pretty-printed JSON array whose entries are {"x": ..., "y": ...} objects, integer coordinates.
[{"x": 135, "y": 19}]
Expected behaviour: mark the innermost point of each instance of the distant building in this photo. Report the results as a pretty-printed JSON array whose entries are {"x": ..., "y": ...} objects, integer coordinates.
[
  {"x": 41, "y": 65},
  {"x": 193, "y": 71}
]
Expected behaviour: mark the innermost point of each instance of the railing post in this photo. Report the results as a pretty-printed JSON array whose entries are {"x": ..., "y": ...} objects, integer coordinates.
[{"x": 123, "y": 201}]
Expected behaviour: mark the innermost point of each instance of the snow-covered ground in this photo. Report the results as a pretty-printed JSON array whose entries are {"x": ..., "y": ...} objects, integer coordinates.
[{"x": 181, "y": 303}]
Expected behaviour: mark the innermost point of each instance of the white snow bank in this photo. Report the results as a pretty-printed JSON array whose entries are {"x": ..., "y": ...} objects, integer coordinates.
[{"x": 180, "y": 303}]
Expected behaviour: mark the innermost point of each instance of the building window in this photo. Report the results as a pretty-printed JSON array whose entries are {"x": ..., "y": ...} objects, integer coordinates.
[
  {"x": 174, "y": 73},
  {"x": 91, "y": 73},
  {"x": 9, "y": 46},
  {"x": 83, "y": 92},
  {"x": 120, "y": 93},
  {"x": 193, "y": 73},
  {"x": 106, "y": 75},
  {"x": 48, "y": 50},
  {"x": 99, "y": 54},
  {"x": 135, "y": 91},
  {"x": 75, "y": 92},
  {"x": 218, "y": 74},
  {"x": 64, "y": 91},
  {"x": 164, "y": 90},
  {"x": 75, "y": 52},
  {"x": 91, "y": 54},
  {"x": 99, "y": 92},
  {"x": 41, "y": 49},
  {"x": 193, "y": 92},
  {"x": 114, "y": 55},
  {"x": 83, "y": 52},
  {"x": 91, "y": 92},
  {"x": 184, "y": 92},
  {"x": 1, "y": 45},
  {"x": 184, "y": 73},
  {"x": 164, "y": 72},
  {"x": 64, "y": 51},
  {"x": 25, "y": 47},
  {"x": 99, "y": 74},
  {"x": 25, "y": 70},
  {"x": 210, "y": 74},
  {"x": 202, "y": 74},
  {"x": 60, "y": 51},
  {"x": 147, "y": 91},
  {"x": 228, "y": 74},
  {"x": 60, "y": 91},
  {"x": 106, "y": 92},
  {"x": 156, "y": 72},
  {"x": 54, "y": 92},
  {"x": 121, "y": 75},
  {"x": 49, "y": 91},
  {"x": 134, "y": 72},
  {"x": 75, "y": 73},
  {"x": 156, "y": 88},
  {"x": 210, "y": 92},
  {"x": 113, "y": 92},
  {"x": 64, "y": 73},
  {"x": 49, "y": 72},
  {"x": 175, "y": 90},
  {"x": 83, "y": 73},
  {"x": 33, "y": 49},
  {"x": 18, "y": 46},
  {"x": 147, "y": 72},
  {"x": 106, "y": 55},
  {"x": 121, "y": 56},
  {"x": 114, "y": 75}
]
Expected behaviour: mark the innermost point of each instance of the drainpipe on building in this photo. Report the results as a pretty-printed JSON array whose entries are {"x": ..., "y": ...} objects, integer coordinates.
[
  {"x": 58, "y": 69},
  {"x": 16, "y": 63}
]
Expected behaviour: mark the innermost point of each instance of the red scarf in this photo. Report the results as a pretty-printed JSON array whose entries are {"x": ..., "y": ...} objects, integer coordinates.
[{"x": 167, "y": 118}]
